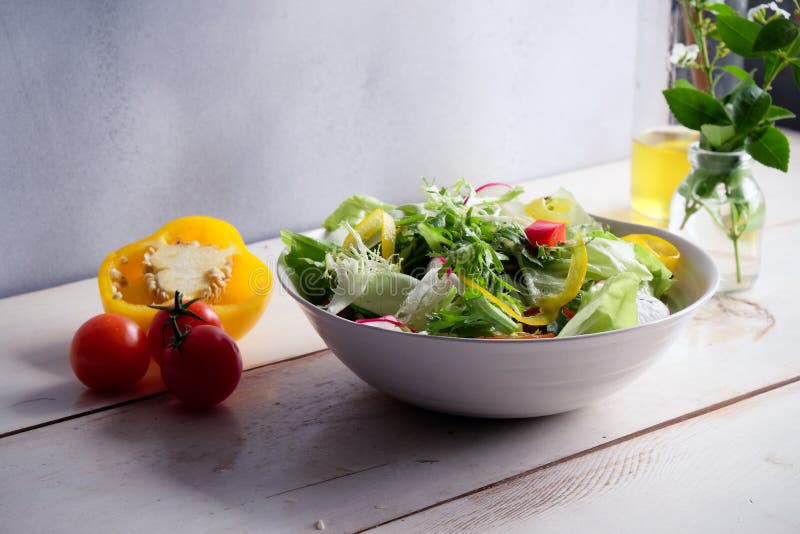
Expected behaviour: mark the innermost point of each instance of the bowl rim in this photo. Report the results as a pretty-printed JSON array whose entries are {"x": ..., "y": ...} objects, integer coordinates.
[{"x": 679, "y": 241}]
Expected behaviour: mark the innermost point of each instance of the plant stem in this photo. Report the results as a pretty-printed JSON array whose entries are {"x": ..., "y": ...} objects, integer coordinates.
[
  {"x": 735, "y": 233},
  {"x": 777, "y": 70},
  {"x": 693, "y": 24},
  {"x": 688, "y": 211}
]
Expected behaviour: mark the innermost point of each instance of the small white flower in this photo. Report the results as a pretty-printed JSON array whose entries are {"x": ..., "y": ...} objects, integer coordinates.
[
  {"x": 759, "y": 12},
  {"x": 683, "y": 55}
]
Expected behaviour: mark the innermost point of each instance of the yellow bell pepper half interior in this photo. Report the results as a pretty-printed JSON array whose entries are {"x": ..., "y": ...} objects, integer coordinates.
[{"x": 240, "y": 304}]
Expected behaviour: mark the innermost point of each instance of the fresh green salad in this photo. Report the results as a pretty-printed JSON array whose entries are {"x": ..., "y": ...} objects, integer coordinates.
[{"x": 479, "y": 262}]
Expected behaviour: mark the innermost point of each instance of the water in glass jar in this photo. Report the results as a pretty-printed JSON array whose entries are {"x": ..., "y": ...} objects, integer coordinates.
[{"x": 658, "y": 165}]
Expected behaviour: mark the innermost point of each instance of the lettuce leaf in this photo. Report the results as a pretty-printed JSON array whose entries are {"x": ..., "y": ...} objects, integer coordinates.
[
  {"x": 470, "y": 314},
  {"x": 385, "y": 292},
  {"x": 426, "y": 297},
  {"x": 610, "y": 307},
  {"x": 365, "y": 279},
  {"x": 305, "y": 262},
  {"x": 352, "y": 210},
  {"x": 662, "y": 277},
  {"x": 609, "y": 257},
  {"x": 577, "y": 216}
]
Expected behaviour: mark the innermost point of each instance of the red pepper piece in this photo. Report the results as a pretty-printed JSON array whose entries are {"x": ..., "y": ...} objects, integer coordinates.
[{"x": 548, "y": 233}]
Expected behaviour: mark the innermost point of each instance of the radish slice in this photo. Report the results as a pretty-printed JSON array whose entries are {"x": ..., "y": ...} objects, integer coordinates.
[
  {"x": 489, "y": 185},
  {"x": 437, "y": 262},
  {"x": 387, "y": 322},
  {"x": 492, "y": 184}
]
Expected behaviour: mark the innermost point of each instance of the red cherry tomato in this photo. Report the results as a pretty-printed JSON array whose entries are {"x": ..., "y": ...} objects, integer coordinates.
[
  {"x": 109, "y": 352},
  {"x": 205, "y": 369},
  {"x": 160, "y": 334}
]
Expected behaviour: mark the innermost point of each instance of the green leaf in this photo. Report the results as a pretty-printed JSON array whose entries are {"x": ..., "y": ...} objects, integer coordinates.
[
  {"x": 722, "y": 9},
  {"x": 662, "y": 277},
  {"x": 680, "y": 83},
  {"x": 775, "y": 34},
  {"x": 743, "y": 84},
  {"x": 493, "y": 315},
  {"x": 770, "y": 147},
  {"x": 469, "y": 315},
  {"x": 305, "y": 260},
  {"x": 718, "y": 135},
  {"x": 738, "y": 33},
  {"x": 611, "y": 307},
  {"x": 352, "y": 210},
  {"x": 771, "y": 64},
  {"x": 749, "y": 108},
  {"x": 435, "y": 237},
  {"x": 776, "y": 113},
  {"x": 699, "y": 184},
  {"x": 384, "y": 292},
  {"x": 695, "y": 108},
  {"x": 608, "y": 257},
  {"x": 738, "y": 72}
]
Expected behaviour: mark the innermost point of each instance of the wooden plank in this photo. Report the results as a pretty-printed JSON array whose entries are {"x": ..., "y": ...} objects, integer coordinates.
[
  {"x": 329, "y": 424},
  {"x": 306, "y": 440},
  {"x": 736, "y": 469},
  {"x": 37, "y": 384}
]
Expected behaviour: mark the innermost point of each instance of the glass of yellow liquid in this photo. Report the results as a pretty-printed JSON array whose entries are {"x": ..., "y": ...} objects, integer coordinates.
[{"x": 659, "y": 163}]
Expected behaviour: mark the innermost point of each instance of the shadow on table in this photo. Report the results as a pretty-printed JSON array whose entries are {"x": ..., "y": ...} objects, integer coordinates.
[
  {"x": 57, "y": 393},
  {"x": 295, "y": 432}
]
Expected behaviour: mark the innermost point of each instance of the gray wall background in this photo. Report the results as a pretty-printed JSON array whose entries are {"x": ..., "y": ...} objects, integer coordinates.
[{"x": 116, "y": 117}]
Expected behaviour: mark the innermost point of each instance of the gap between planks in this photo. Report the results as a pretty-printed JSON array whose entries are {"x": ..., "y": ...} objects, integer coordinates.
[
  {"x": 633, "y": 435},
  {"x": 142, "y": 398}
]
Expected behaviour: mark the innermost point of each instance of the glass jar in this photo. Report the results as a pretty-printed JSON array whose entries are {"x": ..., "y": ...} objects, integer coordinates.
[{"x": 720, "y": 207}]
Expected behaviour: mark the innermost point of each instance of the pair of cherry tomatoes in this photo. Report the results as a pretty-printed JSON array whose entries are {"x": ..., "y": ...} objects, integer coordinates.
[{"x": 200, "y": 363}]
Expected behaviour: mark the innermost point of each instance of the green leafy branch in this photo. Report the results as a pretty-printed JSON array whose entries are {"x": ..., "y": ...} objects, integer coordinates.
[{"x": 744, "y": 118}]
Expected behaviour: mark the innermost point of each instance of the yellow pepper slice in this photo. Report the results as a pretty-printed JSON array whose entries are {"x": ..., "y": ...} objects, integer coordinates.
[
  {"x": 550, "y": 209},
  {"x": 660, "y": 248},
  {"x": 549, "y": 305},
  {"x": 377, "y": 225},
  {"x": 239, "y": 302}
]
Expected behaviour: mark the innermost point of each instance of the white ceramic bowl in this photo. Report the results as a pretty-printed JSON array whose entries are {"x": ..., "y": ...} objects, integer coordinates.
[{"x": 514, "y": 378}]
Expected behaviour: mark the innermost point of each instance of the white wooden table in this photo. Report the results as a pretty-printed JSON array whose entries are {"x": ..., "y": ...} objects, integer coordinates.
[{"x": 707, "y": 440}]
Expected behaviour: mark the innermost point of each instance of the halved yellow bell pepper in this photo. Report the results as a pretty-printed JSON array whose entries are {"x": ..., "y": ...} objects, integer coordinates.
[
  {"x": 549, "y": 305},
  {"x": 212, "y": 255}
]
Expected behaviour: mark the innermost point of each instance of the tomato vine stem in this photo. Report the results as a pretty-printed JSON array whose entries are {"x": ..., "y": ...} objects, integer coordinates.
[{"x": 178, "y": 309}]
